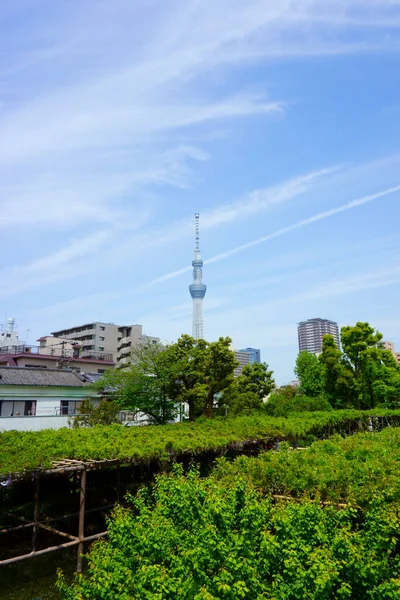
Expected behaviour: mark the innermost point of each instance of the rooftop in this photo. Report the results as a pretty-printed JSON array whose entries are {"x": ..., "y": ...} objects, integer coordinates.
[
  {"x": 40, "y": 377},
  {"x": 55, "y": 353}
]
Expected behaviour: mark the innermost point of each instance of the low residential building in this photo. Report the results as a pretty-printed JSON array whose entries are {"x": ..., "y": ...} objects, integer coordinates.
[
  {"x": 55, "y": 355},
  {"x": 130, "y": 337},
  {"x": 391, "y": 346},
  {"x": 94, "y": 337},
  {"x": 34, "y": 399}
]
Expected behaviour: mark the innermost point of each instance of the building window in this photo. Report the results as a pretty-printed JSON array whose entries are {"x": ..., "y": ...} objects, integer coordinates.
[
  {"x": 30, "y": 408},
  {"x": 102, "y": 328},
  {"x": 101, "y": 371},
  {"x": 102, "y": 338},
  {"x": 101, "y": 348}
]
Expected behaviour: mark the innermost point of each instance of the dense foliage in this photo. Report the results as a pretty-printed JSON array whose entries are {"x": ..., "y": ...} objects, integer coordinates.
[
  {"x": 248, "y": 391},
  {"x": 356, "y": 469},
  {"x": 288, "y": 400},
  {"x": 104, "y": 412},
  {"x": 162, "y": 377},
  {"x": 144, "y": 387},
  {"x": 200, "y": 374},
  {"x": 227, "y": 537},
  {"x": 362, "y": 376},
  {"x": 29, "y": 450}
]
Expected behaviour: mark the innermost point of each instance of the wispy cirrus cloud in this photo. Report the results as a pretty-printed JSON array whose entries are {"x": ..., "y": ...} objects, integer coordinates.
[
  {"x": 119, "y": 92},
  {"x": 284, "y": 230}
]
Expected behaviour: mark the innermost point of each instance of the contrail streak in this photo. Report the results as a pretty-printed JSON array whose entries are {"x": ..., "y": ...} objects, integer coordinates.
[{"x": 303, "y": 223}]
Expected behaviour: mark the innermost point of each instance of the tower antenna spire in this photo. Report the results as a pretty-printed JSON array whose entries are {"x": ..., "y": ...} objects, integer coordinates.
[
  {"x": 198, "y": 288},
  {"x": 197, "y": 229}
]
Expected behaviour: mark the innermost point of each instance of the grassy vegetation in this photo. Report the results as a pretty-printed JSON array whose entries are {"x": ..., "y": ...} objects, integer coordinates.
[
  {"x": 226, "y": 536},
  {"x": 20, "y": 451}
]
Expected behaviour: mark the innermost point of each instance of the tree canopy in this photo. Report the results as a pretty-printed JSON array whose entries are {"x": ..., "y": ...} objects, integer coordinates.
[
  {"x": 144, "y": 386},
  {"x": 199, "y": 371},
  {"x": 249, "y": 390},
  {"x": 161, "y": 378},
  {"x": 309, "y": 372}
]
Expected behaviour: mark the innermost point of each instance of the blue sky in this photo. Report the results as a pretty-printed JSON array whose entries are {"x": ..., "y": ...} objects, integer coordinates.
[{"x": 278, "y": 121}]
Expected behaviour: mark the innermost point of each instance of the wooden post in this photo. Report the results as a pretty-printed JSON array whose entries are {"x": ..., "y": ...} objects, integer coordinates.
[
  {"x": 35, "y": 513},
  {"x": 118, "y": 482},
  {"x": 81, "y": 530}
]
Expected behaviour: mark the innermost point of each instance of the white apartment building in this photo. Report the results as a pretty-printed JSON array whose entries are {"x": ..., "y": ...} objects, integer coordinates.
[{"x": 95, "y": 338}]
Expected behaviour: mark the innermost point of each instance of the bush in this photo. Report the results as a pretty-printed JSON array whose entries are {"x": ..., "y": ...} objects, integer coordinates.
[{"x": 282, "y": 404}]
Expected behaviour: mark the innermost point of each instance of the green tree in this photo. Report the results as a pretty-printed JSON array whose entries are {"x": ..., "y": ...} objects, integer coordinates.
[
  {"x": 199, "y": 371},
  {"x": 339, "y": 385},
  {"x": 235, "y": 402},
  {"x": 257, "y": 379},
  {"x": 248, "y": 391},
  {"x": 286, "y": 400},
  {"x": 309, "y": 372},
  {"x": 373, "y": 367},
  {"x": 90, "y": 413},
  {"x": 144, "y": 386}
]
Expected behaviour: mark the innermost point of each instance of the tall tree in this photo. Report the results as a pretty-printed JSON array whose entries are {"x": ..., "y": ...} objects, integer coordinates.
[
  {"x": 257, "y": 379},
  {"x": 144, "y": 386},
  {"x": 339, "y": 385},
  {"x": 200, "y": 370},
  {"x": 374, "y": 368},
  {"x": 308, "y": 370}
]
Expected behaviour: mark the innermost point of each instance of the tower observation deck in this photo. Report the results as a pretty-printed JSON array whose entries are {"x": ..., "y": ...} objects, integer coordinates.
[{"x": 198, "y": 289}]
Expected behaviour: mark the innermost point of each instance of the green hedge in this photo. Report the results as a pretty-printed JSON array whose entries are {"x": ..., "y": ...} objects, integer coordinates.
[{"x": 26, "y": 451}]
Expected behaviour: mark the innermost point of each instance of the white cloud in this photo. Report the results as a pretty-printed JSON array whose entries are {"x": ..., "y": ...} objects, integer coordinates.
[
  {"x": 126, "y": 84},
  {"x": 263, "y": 199},
  {"x": 249, "y": 205},
  {"x": 54, "y": 266}
]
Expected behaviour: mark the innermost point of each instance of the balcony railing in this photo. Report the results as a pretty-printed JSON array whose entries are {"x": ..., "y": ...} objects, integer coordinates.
[
  {"x": 97, "y": 355},
  {"x": 125, "y": 351},
  {"x": 56, "y": 351},
  {"x": 20, "y": 349}
]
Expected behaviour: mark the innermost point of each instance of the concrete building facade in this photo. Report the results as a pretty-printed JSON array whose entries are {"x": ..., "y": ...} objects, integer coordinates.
[
  {"x": 391, "y": 346},
  {"x": 255, "y": 354},
  {"x": 50, "y": 356},
  {"x": 311, "y": 333},
  {"x": 130, "y": 337},
  {"x": 244, "y": 358},
  {"x": 8, "y": 335},
  {"x": 94, "y": 337}
]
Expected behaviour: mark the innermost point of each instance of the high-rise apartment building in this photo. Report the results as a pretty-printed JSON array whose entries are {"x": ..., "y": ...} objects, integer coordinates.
[
  {"x": 311, "y": 333},
  {"x": 255, "y": 354},
  {"x": 94, "y": 337},
  {"x": 244, "y": 358}
]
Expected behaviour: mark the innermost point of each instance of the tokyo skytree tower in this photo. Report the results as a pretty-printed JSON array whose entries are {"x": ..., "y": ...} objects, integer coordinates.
[{"x": 197, "y": 289}]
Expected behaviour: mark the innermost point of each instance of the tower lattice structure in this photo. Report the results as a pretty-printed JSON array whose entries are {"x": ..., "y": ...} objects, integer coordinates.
[{"x": 198, "y": 288}]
